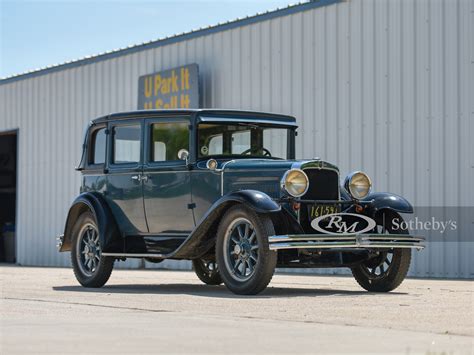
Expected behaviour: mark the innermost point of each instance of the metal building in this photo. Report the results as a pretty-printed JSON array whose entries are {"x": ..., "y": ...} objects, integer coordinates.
[{"x": 384, "y": 86}]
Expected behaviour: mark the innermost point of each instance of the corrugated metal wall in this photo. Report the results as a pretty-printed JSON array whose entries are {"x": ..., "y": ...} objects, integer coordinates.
[{"x": 380, "y": 85}]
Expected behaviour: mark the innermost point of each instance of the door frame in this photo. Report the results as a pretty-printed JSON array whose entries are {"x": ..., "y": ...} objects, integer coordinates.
[
  {"x": 16, "y": 132},
  {"x": 172, "y": 166},
  {"x": 112, "y": 169}
]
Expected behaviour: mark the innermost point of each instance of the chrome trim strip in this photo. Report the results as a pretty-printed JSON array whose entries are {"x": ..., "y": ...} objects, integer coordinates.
[
  {"x": 221, "y": 170},
  {"x": 336, "y": 241},
  {"x": 281, "y": 246}
]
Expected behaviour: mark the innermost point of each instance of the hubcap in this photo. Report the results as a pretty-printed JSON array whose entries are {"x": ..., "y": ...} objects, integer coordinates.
[
  {"x": 241, "y": 249},
  {"x": 211, "y": 267},
  {"x": 88, "y": 250}
]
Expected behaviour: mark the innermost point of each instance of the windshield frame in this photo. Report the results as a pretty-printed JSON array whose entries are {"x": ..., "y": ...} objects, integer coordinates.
[{"x": 291, "y": 132}]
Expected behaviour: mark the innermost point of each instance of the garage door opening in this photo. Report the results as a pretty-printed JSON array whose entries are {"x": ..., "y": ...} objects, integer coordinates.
[{"x": 8, "y": 172}]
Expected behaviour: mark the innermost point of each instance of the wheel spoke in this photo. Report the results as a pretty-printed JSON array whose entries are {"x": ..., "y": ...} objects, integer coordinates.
[
  {"x": 253, "y": 256},
  {"x": 239, "y": 230},
  {"x": 237, "y": 264},
  {"x": 254, "y": 247},
  {"x": 244, "y": 268},
  {"x": 235, "y": 240},
  {"x": 252, "y": 237},
  {"x": 250, "y": 266},
  {"x": 89, "y": 235},
  {"x": 246, "y": 231}
]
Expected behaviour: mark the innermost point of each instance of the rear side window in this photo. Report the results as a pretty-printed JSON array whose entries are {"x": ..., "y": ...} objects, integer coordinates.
[
  {"x": 167, "y": 139},
  {"x": 127, "y": 144},
  {"x": 97, "y": 155}
]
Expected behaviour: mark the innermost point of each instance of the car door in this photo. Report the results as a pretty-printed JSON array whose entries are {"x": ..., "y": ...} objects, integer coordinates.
[
  {"x": 124, "y": 175},
  {"x": 167, "y": 185}
]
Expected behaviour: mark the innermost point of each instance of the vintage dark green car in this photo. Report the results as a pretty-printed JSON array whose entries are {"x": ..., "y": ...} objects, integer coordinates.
[{"x": 223, "y": 189}]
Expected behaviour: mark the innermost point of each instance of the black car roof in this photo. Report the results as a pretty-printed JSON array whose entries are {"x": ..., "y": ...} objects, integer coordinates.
[{"x": 209, "y": 113}]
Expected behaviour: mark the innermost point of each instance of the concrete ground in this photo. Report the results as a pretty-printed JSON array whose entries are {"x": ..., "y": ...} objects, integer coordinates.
[{"x": 44, "y": 310}]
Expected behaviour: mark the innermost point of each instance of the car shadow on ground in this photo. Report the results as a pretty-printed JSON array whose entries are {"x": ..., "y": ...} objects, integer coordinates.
[{"x": 215, "y": 291}]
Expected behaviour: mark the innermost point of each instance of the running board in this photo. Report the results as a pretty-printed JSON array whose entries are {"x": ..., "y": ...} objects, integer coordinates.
[{"x": 132, "y": 255}]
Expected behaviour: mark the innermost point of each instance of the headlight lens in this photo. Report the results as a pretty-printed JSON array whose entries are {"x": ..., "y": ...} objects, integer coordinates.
[
  {"x": 295, "y": 182},
  {"x": 358, "y": 185}
]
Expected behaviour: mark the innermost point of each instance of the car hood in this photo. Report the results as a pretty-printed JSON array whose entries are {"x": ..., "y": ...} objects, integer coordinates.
[
  {"x": 262, "y": 174},
  {"x": 271, "y": 164}
]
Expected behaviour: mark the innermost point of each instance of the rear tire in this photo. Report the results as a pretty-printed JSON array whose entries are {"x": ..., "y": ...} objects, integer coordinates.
[
  {"x": 387, "y": 271},
  {"x": 245, "y": 261},
  {"x": 207, "y": 271},
  {"x": 90, "y": 267}
]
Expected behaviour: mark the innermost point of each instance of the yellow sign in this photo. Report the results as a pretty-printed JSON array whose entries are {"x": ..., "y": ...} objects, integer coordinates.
[{"x": 173, "y": 88}]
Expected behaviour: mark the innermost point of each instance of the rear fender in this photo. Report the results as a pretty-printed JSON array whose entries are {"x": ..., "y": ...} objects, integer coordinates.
[{"x": 108, "y": 232}]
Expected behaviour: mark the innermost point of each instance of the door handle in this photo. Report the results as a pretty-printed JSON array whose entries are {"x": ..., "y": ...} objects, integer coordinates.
[{"x": 140, "y": 178}]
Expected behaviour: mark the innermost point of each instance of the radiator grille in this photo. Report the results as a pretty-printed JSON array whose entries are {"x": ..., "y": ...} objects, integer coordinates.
[{"x": 323, "y": 184}]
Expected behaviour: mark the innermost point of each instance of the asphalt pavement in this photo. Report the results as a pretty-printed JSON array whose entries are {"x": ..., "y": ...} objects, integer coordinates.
[{"x": 44, "y": 310}]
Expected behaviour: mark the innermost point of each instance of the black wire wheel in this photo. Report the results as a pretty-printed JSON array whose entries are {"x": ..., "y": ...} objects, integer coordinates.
[
  {"x": 90, "y": 267},
  {"x": 207, "y": 271},
  {"x": 88, "y": 251},
  {"x": 387, "y": 270},
  {"x": 241, "y": 249},
  {"x": 246, "y": 263}
]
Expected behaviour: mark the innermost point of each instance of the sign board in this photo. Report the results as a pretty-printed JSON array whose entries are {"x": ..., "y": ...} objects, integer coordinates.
[{"x": 173, "y": 88}]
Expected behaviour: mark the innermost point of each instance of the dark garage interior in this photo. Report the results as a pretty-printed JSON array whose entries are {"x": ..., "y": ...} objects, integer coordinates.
[{"x": 8, "y": 166}]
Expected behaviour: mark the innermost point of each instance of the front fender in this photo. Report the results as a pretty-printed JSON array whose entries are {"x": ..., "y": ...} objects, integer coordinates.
[
  {"x": 93, "y": 202},
  {"x": 203, "y": 237},
  {"x": 387, "y": 201},
  {"x": 260, "y": 202}
]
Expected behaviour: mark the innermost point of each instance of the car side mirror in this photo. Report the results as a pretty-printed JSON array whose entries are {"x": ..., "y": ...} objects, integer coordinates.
[{"x": 183, "y": 154}]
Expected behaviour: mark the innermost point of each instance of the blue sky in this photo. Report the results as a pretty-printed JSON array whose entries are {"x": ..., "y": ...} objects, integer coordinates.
[{"x": 34, "y": 34}]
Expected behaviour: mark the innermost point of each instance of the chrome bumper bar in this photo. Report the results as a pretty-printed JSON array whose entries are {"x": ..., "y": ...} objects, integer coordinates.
[{"x": 345, "y": 241}]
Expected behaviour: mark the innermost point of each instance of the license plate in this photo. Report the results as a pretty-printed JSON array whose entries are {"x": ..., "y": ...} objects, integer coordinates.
[{"x": 316, "y": 211}]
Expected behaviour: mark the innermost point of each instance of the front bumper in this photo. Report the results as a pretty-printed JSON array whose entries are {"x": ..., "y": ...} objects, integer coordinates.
[{"x": 345, "y": 241}]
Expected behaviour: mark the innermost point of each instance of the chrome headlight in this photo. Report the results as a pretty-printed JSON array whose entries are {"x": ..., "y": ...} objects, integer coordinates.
[
  {"x": 295, "y": 182},
  {"x": 358, "y": 184}
]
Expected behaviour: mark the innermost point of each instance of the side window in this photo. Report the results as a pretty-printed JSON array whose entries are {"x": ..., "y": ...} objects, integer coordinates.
[
  {"x": 215, "y": 145},
  {"x": 167, "y": 139},
  {"x": 275, "y": 140},
  {"x": 97, "y": 154},
  {"x": 240, "y": 142},
  {"x": 126, "y": 144}
]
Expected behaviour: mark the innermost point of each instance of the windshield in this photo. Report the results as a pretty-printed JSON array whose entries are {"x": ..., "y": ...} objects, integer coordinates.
[{"x": 242, "y": 140}]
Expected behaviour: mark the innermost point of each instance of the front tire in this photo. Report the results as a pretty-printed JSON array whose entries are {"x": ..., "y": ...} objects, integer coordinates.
[
  {"x": 245, "y": 261},
  {"x": 385, "y": 272},
  {"x": 90, "y": 267}
]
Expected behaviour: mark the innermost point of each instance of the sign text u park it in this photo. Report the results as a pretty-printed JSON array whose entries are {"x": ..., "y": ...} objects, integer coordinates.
[{"x": 173, "y": 88}]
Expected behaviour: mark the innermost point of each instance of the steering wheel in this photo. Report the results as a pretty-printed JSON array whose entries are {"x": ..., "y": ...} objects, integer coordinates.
[{"x": 266, "y": 152}]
